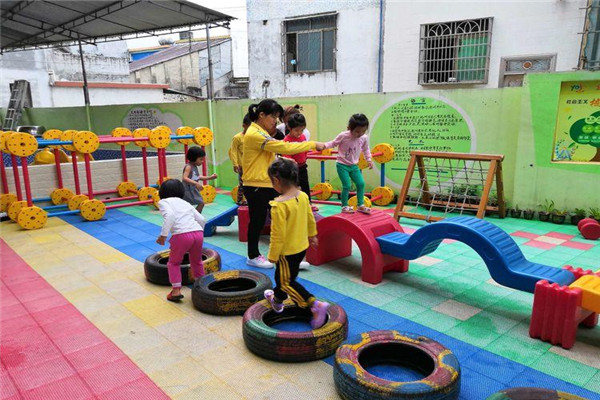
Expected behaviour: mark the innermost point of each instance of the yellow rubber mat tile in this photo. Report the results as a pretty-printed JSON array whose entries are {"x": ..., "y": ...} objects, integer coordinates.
[
  {"x": 133, "y": 341},
  {"x": 152, "y": 359},
  {"x": 582, "y": 352},
  {"x": 90, "y": 291},
  {"x": 213, "y": 389},
  {"x": 104, "y": 275},
  {"x": 220, "y": 359},
  {"x": 286, "y": 390},
  {"x": 91, "y": 305},
  {"x": 153, "y": 310},
  {"x": 48, "y": 238},
  {"x": 183, "y": 376},
  {"x": 110, "y": 258},
  {"x": 124, "y": 290},
  {"x": 253, "y": 379},
  {"x": 230, "y": 329},
  {"x": 190, "y": 336},
  {"x": 110, "y": 314},
  {"x": 122, "y": 326},
  {"x": 67, "y": 252}
]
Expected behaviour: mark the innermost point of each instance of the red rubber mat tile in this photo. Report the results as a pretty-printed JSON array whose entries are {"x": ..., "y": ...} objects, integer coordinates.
[
  {"x": 578, "y": 245},
  {"x": 49, "y": 350},
  {"x": 540, "y": 245},
  {"x": 526, "y": 235},
  {"x": 559, "y": 235},
  {"x": 71, "y": 388},
  {"x": 112, "y": 375}
]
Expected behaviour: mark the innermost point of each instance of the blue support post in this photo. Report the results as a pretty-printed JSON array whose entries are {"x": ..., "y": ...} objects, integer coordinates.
[
  {"x": 322, "y": 171},
  {"x": 382, "y": 178}
]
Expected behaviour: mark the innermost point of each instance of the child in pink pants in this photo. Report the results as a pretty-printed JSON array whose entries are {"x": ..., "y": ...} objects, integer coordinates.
[{"x": 185, "y": 225}]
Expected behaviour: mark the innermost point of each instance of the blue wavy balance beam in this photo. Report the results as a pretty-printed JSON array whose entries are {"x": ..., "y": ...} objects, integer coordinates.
[
  {"x": 501, "y": 254},
  {"x": 225, "y": 218}
]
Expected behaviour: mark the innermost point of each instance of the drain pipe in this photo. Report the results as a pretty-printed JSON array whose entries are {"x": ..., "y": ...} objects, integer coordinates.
[
  {"x": 210, "y": 89},
  {"x": 380, "y": 55}
]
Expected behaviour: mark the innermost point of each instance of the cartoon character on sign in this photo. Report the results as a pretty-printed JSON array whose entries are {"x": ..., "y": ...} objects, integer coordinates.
[{"x": 587, "y": 131}]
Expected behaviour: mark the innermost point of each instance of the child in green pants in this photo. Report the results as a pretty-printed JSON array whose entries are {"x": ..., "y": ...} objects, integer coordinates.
[{"x": 350, "y": 143}]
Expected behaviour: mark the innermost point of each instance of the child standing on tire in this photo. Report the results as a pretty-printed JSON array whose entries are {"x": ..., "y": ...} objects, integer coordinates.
[
  {"x": 191, "y": 177},
  {"x": 293, "y": 228},
  {"x": 186, "y": 225},
  {"x": 235, "y": 155},
  {"x": 350, "y": 143}
]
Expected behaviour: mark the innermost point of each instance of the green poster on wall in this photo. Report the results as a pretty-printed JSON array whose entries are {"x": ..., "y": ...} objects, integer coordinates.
[
  {"x": 577, "y": 133},
  {"x": 420, "y": 123}
]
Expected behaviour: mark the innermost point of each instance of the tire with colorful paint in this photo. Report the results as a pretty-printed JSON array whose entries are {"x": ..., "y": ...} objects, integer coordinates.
[
  {"x": 155, "y": 266},
  {"x": 229, "y": 292},
  {"x": 267, "y": 342},
  {"x": 532, "y": 393},
  {"x": 438, "y": 365}
]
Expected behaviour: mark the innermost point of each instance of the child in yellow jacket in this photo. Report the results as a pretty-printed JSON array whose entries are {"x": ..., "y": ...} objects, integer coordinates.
[
  {"x": 235, "y": 155},
  {"x": 258, "y": 153},
  {"x": 293, "y": 228}
]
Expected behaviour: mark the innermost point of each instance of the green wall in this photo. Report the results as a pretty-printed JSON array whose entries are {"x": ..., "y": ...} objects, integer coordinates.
[{"x": 516, "y": 122}]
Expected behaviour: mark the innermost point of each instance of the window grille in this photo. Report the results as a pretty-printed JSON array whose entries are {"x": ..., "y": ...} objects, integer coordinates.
[
  {"x": 310, "y": 44},
  {"x": 455, "y": 52},
  {"x": 513, "y": 69},
  {"x": 590, "y": 57}
]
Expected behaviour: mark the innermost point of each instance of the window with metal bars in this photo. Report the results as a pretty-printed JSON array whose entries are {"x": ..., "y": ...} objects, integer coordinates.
[
  {"x": 455, "y": 52},
  {"x": 310, "y": 44},
  {"x": 590, "y": 54}
]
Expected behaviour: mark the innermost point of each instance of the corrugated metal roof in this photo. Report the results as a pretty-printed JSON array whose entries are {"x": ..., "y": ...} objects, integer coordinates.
[
  {"x": 42, "y": 24},
  {"x": 172, "y": 52}
]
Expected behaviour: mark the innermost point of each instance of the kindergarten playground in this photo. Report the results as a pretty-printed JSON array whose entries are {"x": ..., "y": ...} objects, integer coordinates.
[{"x": 442, "y": 292}]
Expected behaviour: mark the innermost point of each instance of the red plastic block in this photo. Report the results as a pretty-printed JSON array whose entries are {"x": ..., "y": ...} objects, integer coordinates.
[
  {"x": 243, "y": 220},
  {"x": 337, "y": 232},
  {"x": 556, "y": 314},
  {"x": 579, "y": 272},
  {"x": 589, "y": 228}
]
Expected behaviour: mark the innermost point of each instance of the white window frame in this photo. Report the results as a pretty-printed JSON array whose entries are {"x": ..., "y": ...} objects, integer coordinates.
[
  {"x": 422, "y": 50},
  {"x": 504, "y": 61}
]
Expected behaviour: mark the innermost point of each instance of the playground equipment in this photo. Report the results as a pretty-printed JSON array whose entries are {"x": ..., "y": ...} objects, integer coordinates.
[
  {"x": 381, "y": 195},
  {"x": 85, "y": 142},
  {"x": 438, "y": 365},
  {"x": 452, "y": 182},
  {"x": 589, "y": 228},
  {"x": 156, "y": 271}
]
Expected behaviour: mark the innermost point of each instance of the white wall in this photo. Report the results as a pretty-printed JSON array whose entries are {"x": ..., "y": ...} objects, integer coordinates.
[
  {"x": 73, "y": 96},
  {"x": 357, "y": 41},
  {"x": 519, "y": 28},
  {"x": 28, "y": 65},
  {"x": 106, "y": 174}
]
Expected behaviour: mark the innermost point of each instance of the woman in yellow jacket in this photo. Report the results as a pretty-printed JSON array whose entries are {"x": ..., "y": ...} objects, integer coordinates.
[{"x": 258, "y": 153}]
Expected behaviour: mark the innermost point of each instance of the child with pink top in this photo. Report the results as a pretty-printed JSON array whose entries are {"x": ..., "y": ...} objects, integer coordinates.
[{"x": 350, "y": 143}]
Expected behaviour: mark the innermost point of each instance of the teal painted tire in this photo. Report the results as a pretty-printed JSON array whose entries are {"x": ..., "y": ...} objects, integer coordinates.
[{"x": 439, "y": 366}]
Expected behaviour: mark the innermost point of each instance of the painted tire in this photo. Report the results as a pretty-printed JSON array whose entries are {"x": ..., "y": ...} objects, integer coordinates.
[
  {"x": 229, "y": 292},
  {"x": 155, "y": 266},
  {"x": 440, "y": 366},
  {"x": 531, "y": 393},
  {"x": 273, "y": 344}
]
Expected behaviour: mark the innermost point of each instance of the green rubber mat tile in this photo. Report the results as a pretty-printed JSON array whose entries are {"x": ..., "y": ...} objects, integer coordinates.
[
  {"x": 476, "y": 335},
  {"x": 436, "y": 320},
  {"x": 425, "y": 298},
  {"x": 451, "y": 266},
  {"x": 348, "y": 288},
  {"x": 404, "y": 308},
  {"x": 571, "y": 371},
  {"x": 434, "y": 273},
  {"x": 396, "y": 288},
  {"x": 594, "y": 383},
  {"x": 327, "y": 278},
  {"x": 457, "y": 284},
  {"x": 516, "y": 350},
  {"x": 477, "y": 274},
  {"x": 482, "y": 295},
  {"x": 463, "y": 259},
  {"x": 493, "y": 322},
  {"x": 374, "y": 297}
]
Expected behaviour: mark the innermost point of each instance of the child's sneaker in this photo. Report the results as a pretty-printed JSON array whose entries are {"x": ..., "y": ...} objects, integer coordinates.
[
  {"x": 275, "y": 305},
  {"x": 363, "y": 209},
  {"x": 314, "y": 208},
  {"x": 319, "y": 311},
  {"x": 304, "y": 265},
  {"x": 259, "y": 262},
  {"x": 347, "y": 210}
]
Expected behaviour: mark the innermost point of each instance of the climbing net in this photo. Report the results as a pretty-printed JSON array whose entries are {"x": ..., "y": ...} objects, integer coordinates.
[{"x": 451, "y": 183}]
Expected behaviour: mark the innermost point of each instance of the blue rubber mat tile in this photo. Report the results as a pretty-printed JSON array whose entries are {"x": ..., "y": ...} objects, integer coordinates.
[
  {"x": 492, "y": 366},
  {"x": 380, "y": 320},
  {"x": 136, "y": 251},
  {"x": 354, "y": 308},
  {"x": 542, "y": 380},
  {"x": 476, "y": 386},
  {"x": 355, "y": 328},
  {"x": 460, "y": 349}
]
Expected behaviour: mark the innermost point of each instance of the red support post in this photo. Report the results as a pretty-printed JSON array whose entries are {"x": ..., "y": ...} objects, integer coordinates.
[
  {"x": 185, "y": 149},
  {"x": 145, "y": 164},
  {"x": 75, "y": 172},
  {"x": 88, "y": 175},
  {"x": 124, "y": 163},
  {"x": 136, "y": 203},
  {"x": 26, "y": 182},
  {"x": 58, "y": 170},
  {"x": 164, "y": 161},
  {"x": 15, "y": 168},
  {"x": 3, "y": 175},
  {"x": 161, "y": 174}
]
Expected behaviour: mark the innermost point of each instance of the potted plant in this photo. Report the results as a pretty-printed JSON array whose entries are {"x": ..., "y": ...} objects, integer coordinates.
[
  {"x": 547, "y": 209},
  {"x": 577, "y": 216},
  {"x": 528, "y": 214},
  {"x": 559, "y": 216},
  {"x": 516, "y": 212},
  {"x": 493, "y": 199},
  {"x": 595, "y": 213}
]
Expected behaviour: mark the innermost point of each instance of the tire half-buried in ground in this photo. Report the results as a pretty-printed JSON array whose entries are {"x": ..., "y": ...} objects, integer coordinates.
[
  {"x": 267, "y": 342},
  {"x": 155, "y": 266},
  {"x": 435, "y": 362},
  {"x": 229, "y": 292}
]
